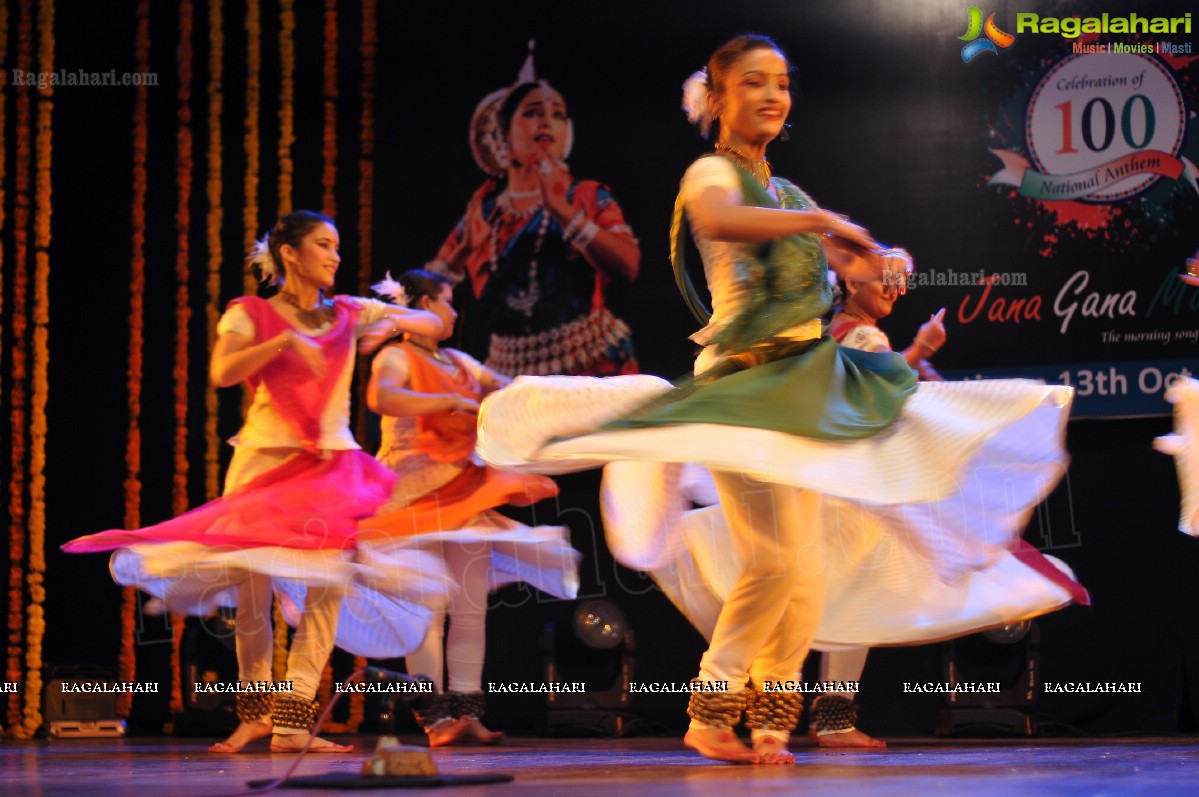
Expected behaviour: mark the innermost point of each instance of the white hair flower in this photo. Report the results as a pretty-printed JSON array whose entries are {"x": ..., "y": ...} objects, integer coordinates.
[
  {"x": 392, "y": 290},
  {"x": 695, "y": 101},
  {"x": 260, "y": 256}
]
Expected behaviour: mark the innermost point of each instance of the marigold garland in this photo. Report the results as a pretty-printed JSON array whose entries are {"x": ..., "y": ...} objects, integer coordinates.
[
  {"x": 250, "y": 139},
  {"x": 3, "y": 176},
  {"x": 17, "y": 393},
  {"x": 329, "y": 150},
  {"x": 287, "y": 89},
  {"x": 216, "y": 216},
  {"x": 183, "y": 181},
  {"x": 366, "y": 179},
  {"x": 127, "y": 662},
  {"x": 35, "y": 573}
]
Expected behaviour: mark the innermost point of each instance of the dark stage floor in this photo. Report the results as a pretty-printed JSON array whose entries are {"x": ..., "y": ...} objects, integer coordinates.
[{"x": 629, "y": 768}]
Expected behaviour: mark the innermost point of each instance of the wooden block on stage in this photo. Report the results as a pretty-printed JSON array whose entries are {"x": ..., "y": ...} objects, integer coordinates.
[{"x": 392, "y": 759}]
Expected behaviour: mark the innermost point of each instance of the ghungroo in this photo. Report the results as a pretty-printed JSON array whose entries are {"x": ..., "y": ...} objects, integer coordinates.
[
  {"x": 468, "y": 704},
  {"x": 293, "y": 712},
  {"x": 773, "y": 711},
  {"x": 439, "y": 708},
  {"x": 252, "y": 706},
  {"x": 717, "y": 709},
  {"x": 833, "y": 713}
]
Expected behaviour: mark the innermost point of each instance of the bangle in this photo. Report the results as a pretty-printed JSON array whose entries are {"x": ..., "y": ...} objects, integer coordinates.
[
  {"x": 576, "y": 222},
  {"x": 585, "y": 235},
  {"x": 457, "y": 403},
  {"x": 919, "y": 342},
  {"x": 286, "y": 342}
]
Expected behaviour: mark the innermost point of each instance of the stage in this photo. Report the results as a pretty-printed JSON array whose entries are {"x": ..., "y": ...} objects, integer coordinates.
[{"x": 656, "y": 767}]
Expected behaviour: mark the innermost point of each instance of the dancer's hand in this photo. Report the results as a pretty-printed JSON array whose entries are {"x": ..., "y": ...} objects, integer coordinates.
[
  {"x": 464, "y": 405},
  {"x": 840, "y": 227},
  {"x": 931, "y": 336},
  {"x": 377, "y": 334},
  {"x": 309, "y": 351},
  {"x": 554, "y": 179}
]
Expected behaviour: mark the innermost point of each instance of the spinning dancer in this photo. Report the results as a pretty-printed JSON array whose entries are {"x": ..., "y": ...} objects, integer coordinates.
[
  {"x": 444, "y": 502},
  {"x": 778, "y": 411},
  {"x": 296, "y": 488}
]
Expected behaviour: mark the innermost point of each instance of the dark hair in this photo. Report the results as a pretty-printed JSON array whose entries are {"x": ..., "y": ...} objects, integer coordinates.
[
  {"x": 731, "y": 51},
  {"x": 288, "y": 231},
  {"x": 418, "y": 283},
  {"x": 508, "y": 107}
]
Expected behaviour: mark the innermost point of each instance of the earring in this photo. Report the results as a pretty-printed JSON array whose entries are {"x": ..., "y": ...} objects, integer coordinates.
[{"x": 785, "y": 135}]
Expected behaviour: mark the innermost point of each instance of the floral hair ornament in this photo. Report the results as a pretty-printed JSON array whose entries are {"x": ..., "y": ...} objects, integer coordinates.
[
  {"x": 695, "y": 101},
  {"x": 390, "y": 289},
  {"x": 488, "y": 143},
  {"x": 260, "y": 257}
]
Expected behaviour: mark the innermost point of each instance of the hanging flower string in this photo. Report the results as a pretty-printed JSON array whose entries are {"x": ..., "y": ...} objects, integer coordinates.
[
  {"x": 3, "y": 176},
  {"x": 35, "y": 574},
  {"x": 216, "y": 214},
  {"x": 183, "y": 182},
  {"x": 19, "y": 355},
  {"x": 127, "y": 661},
  {"x": 287, "y": 88},
  {"x": 366, "y": 178},
  {"x": 329, "y": 149},
  {"x": 250, "y": 141}
]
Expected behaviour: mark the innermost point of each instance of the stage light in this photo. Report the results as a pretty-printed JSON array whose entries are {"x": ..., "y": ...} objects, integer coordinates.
[
  {"x": 1008, "y": 657},
  {"x": 1009, "y": 634},
  {"x": 595, "y": 650},
  {"x": 599, "y": 625}
]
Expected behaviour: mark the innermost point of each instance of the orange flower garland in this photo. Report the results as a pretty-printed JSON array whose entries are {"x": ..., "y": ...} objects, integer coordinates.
[
  {"x": 17, "y": 395},
  {"x": 127, "y": 662},
  {"x": 216, "y": 215},
  {"x": 250, "y": 139},
  {"x": 366, "y": 179},
  {"x": 183, "y": 180},
  {"x": 35, "y": 573},
  {"x": 287, "y": 88},
  {"x": 3, "y": 121},
  {"x": 329, "y": 174}
]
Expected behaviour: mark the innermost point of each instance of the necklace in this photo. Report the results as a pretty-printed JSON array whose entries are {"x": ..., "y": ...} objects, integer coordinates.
[
  {"x": 758, "y": 169},
  {"x": 861, "y": 318},
  {"x": 436, "y": 354},
  {"x": 536, "y": 192},
  {"x": 311, "y": 317},
  {"x": 525, "y": 300}
]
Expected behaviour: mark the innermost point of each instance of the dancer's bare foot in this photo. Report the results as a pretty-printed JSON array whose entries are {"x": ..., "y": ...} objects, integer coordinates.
[
  {"x": 478, "y": 733},
  {"x": 245, "y": 733},
  {"x": 851, "y": 738},
  {"x": 772, "y": 750},
  {"x": 294, "y": 743},
  {"x": 719, "y": 744},
  {"x": 448, "y": 730}
]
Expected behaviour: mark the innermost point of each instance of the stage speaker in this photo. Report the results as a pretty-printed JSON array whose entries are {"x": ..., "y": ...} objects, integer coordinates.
[
  {"x": 1005, "y": 660},
  {"x": 592, "y": 659},
  {"x": 75, "y": 714}
]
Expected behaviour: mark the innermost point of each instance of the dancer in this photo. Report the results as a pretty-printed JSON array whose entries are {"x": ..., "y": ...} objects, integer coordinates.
[
  {"x": 1184, "y": 395},
  {"x": 780, "y": 413},
  {"x": 539, "y": 246},
  {"x": 444, "y": 502},
  {"x": 833, "y": 717},
  {"x": 295, "y": 490}
]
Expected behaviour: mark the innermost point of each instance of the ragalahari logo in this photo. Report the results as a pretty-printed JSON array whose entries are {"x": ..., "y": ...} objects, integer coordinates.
[{"x": 995, "y": 38}]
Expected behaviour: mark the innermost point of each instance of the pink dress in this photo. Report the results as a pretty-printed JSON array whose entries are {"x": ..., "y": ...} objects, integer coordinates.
[{"x": 289, "y": 511}]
